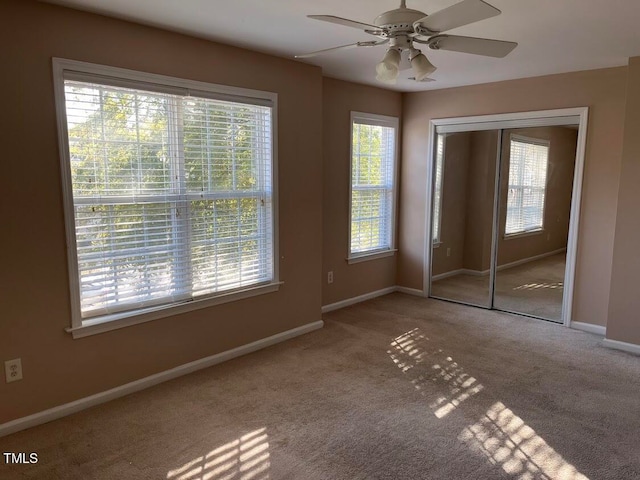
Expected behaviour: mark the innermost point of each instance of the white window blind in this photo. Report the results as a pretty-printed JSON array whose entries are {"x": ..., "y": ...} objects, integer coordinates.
[
  {"x": 373, "y": 159},
  {"x": 527, "y": 185},
  {"x": 437, "y": 193},
  {"x": 172, "y": 196}
]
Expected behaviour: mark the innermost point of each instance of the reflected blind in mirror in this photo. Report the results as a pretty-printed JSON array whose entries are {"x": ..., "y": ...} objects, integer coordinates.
[{"x": 528, "y": 163}]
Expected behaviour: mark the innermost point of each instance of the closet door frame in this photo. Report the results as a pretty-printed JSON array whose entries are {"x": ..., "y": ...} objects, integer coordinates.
[{"x": 570, "y": 116}]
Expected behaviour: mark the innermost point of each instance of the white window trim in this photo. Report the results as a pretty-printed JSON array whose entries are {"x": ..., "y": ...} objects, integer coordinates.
[
  {"x": 124, "y": 77},
  {"x": 526, "y": 233},
  {"x": 372, "y": 255},
  {"x": 382, "y": 121},
  {"x": 533, "y": 141}
]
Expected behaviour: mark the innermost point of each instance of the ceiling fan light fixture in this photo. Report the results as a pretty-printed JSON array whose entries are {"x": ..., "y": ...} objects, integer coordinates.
[
  {"x": 389, "y": 68},
  {"x": 401, "y": 27},
  {"x": 421, "y": 65}
]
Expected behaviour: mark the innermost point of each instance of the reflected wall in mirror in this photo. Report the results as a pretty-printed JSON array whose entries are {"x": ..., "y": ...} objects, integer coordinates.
[
  {"x": 536, "y": 183},
  {"x": 462, "y": 219}
]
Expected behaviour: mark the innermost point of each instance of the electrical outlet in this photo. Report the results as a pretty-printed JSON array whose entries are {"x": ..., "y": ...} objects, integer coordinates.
[
  {"x": 449, "y": 252},
  {"x": 330, "y": 277},
  {"x": 13, "y": 370},
  {"x": 548, "y": 237}
]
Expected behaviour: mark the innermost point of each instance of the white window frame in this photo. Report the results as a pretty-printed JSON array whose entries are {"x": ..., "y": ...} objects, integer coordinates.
[
  {"x": 531, "y": 231},
  {"x": 64, "y": 69},
  {"x": 382, "y": 121}
]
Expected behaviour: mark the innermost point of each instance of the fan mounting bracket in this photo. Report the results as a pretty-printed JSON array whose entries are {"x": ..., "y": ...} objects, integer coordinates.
[
  {"x": 398, "y": 21},
  {"x": 432, "y": 42},
  {"x": 423, "y": 31},
  {"x": 403, "y": 42},
  {"x": 378, "y": 33}
]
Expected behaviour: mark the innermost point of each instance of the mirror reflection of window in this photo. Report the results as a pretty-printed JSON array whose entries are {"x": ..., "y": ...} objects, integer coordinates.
[
  {"x": 437, "y": 198},
  {"x": 527, "y": 185}
]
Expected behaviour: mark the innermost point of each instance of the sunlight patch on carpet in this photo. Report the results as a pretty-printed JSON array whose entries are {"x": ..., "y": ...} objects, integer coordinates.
[
  {"x": 507, "y": 441},
  {"x": 538, "y": 286},
  {"x": 432, "y": 372},
  {"x": 244, "y": 458}
]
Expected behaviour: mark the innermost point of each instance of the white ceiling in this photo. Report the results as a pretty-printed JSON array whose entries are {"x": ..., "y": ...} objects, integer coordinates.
[{"x": 554, "y": 36}]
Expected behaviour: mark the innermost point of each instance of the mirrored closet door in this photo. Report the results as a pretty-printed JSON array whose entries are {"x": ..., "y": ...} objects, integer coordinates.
[
  {"x": 536, "y": 183},
  {"x": 464, "y": 192},
  {"x": 501, "y": 215}
]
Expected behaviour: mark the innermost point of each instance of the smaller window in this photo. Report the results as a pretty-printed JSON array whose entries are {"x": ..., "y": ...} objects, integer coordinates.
[
  {"x": 373, "y": 178},
  {"x": 527, "y": 185},
  {"x": 437, "y": 188}
]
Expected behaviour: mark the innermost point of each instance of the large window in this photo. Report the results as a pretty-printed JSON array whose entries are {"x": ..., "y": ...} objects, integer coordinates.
[
  {"x": 527, "y": 185},
  {"x": 170, "y": 192},
  {"x": 373, "y": 172}
]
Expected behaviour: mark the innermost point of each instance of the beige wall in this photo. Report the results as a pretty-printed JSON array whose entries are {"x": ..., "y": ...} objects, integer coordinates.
[
  {"x": 557, "y": 208},
  {"x": 33, "y": 273},
  {"x": 467, "y": 202},
  {"x": 624, "y": 307},
  {"x": 481, "y": 185},
  {"x": 448, "y": 255},
  {"x": 339, "y": 99},
  {"x": 601, "y": 90}
]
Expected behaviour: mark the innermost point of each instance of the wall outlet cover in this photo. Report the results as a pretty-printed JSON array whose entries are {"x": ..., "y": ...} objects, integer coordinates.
[{"x": 13, "y": 370}]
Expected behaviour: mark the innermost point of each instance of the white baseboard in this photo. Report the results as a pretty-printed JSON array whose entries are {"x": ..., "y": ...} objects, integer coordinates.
[
  {"x": 442, "y": 276},
  {"x": 369, "y": 296},
  {"x": 475, "y": 273},
  {"x": 624, "y": 346},
  {"x": 480, "y": 273},
  {"x": 460, "y": 271},
  {"x": 589, "y": 327},
  {"x": 360, "y": 298},
  {"x": 410, "y": 291},
  {"x": 137, "y": 385},
  {"x": 531, "y": 259}
]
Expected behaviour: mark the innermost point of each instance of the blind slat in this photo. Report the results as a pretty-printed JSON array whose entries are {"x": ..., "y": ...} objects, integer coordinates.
[{"x": 527, "y": 185}]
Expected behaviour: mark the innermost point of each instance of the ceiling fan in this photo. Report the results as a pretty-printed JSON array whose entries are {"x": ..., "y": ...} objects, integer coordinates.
[{"x": 402, "y": 27}]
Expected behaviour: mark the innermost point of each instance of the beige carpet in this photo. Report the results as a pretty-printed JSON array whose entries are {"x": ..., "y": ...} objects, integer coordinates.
[
  {"x": 533, "y": 288},
  {"x": 471, "y": 289},
  {"x": 395, "y": 388}
]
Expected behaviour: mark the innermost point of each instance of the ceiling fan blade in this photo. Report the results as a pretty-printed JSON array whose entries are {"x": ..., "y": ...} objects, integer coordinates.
[
  {"x": 475, "y": 46},
  {"x": 342, "y": 47},
  {"x": 344, "y": 21},
  {"x": 463, "y": 13}
]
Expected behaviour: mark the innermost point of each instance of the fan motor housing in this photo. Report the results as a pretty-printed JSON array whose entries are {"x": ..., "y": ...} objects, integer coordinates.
[{"x": 399, "y": 20}]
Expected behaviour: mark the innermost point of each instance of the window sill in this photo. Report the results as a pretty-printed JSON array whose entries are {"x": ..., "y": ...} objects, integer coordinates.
[
  {"x": 530, "y": 233},
  {"x": 107, "y": 323},
  {"x": 365, "y": 257}
]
